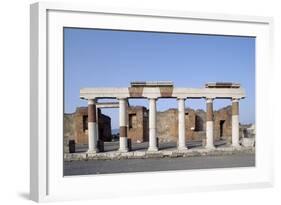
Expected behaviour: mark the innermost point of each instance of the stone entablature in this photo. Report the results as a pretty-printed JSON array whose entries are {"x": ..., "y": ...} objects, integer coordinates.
[
  {"x": 152, "y": 92},
  {"x": 152, "y": 84},
  {"x": 222, "y": 85},
  {"x": 155, "y": 92}
]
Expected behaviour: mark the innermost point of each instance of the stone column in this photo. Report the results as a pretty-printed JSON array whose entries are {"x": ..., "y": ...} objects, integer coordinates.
[
  {"x": 235, "y": 123},
  {"x": 152, "y": 125},
  {"x": 209, "y": 125},
  {"x": 181, "y": 124},
  {"x": 92, "y": 126},
  {"x": 123, "y": 143},
  {"x": 97, "y": 121}
]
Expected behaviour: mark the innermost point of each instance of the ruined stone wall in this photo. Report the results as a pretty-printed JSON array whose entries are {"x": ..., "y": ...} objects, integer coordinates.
[
  {"x": 76, "y": 126},
  {"x": 195, "y": 125},
  {"x": 222, "y": 124},
  {"x": 167, "y": 125},
  {"x": 68, "y": 127},
  {"x": 137, "y": 128},
  {"x": 81, "y": 131},
  {"x": 104, "y": 127},
  {"x": 190, "y": 118}
]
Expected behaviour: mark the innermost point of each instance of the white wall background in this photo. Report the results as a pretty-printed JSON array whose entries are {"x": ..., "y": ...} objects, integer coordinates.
[{"x": 14, "y": 101}]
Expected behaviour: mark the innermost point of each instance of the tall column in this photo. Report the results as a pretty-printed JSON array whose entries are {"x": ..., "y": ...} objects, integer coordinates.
[
  {"x": 235, "y": 123},
  {"x": 92, "y": 127},
  {"x": 181, "y": 124},
  {"x": 209, "y": 125},
  {"x": 152, "y": 125},
  {"x": 123, "y": 142},
  {"x": 97, "y": 121}
]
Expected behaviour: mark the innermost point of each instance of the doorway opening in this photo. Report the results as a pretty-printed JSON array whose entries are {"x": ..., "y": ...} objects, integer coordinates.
[{"x": 222, "y": 123}]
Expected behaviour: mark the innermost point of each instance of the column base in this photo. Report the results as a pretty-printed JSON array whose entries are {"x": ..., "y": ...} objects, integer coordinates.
[
  {"x": 236, "y": 146},
  {"x": 182, "y": 148},
  {"x": 210, "y": 147},
  {"x": 123, "y": 150},
  {"x": 152, "y": 149},
  {"x": 93, "y": 151}
]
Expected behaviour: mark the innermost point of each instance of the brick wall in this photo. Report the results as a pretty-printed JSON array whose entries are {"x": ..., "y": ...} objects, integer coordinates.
[
  {"x": 76, "y": 126},
  {"x": 167, "y": 124}
]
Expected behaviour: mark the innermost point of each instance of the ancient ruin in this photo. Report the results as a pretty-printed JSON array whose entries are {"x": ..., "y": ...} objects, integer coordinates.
[
  {"x": 141, "y": 124},
  {"x": 76, "y": 125}
]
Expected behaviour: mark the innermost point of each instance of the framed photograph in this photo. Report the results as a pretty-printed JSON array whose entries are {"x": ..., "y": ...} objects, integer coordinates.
[{"x": 173, "y": 101}]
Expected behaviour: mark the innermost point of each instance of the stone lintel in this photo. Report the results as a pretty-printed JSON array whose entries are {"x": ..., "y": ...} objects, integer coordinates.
[{"x": 107, "y": 105}]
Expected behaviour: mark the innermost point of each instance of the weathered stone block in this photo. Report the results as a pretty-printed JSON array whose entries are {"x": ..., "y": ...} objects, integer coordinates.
[
  {"x": 154, "y": 154},
  {"x": 248, "y": 142}
]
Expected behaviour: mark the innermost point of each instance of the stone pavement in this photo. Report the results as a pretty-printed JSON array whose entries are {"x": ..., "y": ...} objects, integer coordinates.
[
  {"x": 169, "y": 152},
  {"x": 83, "y": 167}
]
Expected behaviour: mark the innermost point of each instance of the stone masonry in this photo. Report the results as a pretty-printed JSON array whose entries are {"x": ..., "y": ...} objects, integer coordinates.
[
  {"x": 75, "y": 125},
  {"x": 167, "y": 124},
  {"x": 138, "y": 124}
]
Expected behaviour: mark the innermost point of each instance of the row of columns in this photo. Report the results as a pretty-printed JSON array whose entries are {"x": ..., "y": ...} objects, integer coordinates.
[{"x": 123, "y": 122}]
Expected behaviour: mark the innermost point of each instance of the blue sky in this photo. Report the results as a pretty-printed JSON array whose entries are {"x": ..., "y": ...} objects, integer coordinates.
[{"x": 107, "y": 58}]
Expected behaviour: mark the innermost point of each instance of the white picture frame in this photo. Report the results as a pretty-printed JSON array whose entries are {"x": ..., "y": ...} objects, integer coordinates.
[{"x": 46, "y": 178}]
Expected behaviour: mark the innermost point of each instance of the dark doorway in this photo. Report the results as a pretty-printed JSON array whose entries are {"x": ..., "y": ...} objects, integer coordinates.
[
  {"x": 222, "y": 128},
  {"x": 199, "y": 123}
]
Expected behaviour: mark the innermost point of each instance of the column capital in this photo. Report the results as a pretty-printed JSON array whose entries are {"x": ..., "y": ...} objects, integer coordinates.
[
  {"x": 235, "y": 99},
  {"x": 181, "y": 98},
  {"x": 154, "y": 98},
  {"x": 209, "y": 100},
  {"x": 123, "y": 98},
  {"x": 92, "y": 101}
]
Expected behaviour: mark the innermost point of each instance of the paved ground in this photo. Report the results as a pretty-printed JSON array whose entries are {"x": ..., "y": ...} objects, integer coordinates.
[
  {"x": 114, "y": 146},
  {"x": 159, "y": 164}
]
